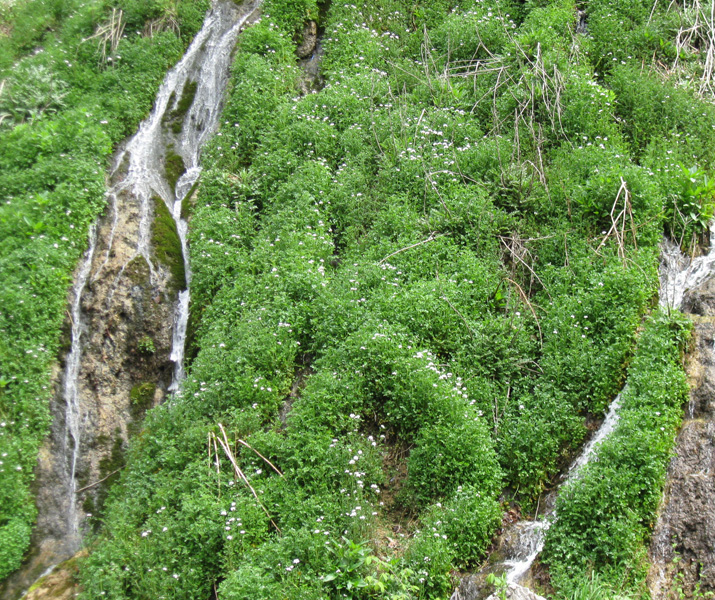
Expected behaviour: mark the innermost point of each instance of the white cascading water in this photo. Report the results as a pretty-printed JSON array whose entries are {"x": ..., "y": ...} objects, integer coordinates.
[
  {"x": 678, "y": 274},
  {"x": 70, "y": 388},
  {"x": 532, "y": 534},
  {"x": 206, "y": 63}
]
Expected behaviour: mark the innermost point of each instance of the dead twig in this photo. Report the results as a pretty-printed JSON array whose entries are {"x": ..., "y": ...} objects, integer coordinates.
[
  {"x": 239, "y": 473},
  {"x": 526, "y": 300},
  {"x": 515, "y": 254},
  {"x": 618, "y": 222},
  {"x": 96, "y": 483},
  {"x": 261, "y": 455},
  {"x": 432, "y": 237},
  {"x": 109, "y": 33},
  {"x": 454, "y": 308}
]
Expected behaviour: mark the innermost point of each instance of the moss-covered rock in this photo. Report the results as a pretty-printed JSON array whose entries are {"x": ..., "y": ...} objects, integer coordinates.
[
  {"x": 142, "y": 395},
  {"x": 137, "y": 270},
  {"x": 189, "y": 201},
  {"x": 175, "y": 118},
  {"x": 167, "y": 245},
  {"x": 173, "y": 167}
]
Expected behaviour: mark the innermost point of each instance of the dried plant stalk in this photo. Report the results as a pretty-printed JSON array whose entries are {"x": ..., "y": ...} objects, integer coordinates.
[{"x": 109, "y": 34}]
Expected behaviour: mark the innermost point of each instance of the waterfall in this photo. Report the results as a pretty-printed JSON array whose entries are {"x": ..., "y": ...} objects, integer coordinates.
[
  {"x": 680, "y": 273},
  {"x": 128, "y": 310},
  {"x": 206, "y": 66},
  {"x": 530, "y": 536}
]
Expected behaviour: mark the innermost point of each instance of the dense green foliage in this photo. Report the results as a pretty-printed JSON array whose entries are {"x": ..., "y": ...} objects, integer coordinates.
[
  {"x": 62, "y": 110},
  {"x": 410, "y": 291}
]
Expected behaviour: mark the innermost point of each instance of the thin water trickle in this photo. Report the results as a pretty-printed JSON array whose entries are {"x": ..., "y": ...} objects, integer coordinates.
[
  {"x": 205, "y": 64},
  {"x": 606, "y": 428},
  {"x": 70, "y": 390},
  {"x": 531, "y": 535},
  {"x": 678, "y": 275}
]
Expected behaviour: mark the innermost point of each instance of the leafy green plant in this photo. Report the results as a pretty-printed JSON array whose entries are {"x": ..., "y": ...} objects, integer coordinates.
[
  {"x": 351, "y": 563},
  {"x": 500, "y": 584},
  {"x": 146, "y": 346},
  {"x": 692, "y": 209},
  {"x": 347, "y": 247},
  {"x": 32, "y": 91},
  {"x": 625, "y": 482}
]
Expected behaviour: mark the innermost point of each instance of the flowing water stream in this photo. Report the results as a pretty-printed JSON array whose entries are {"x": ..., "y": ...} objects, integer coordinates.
[
  {"x": 530, "y": 536},
  {"x": 70, "y": 391},
  {"x": 523, "y": 541}
]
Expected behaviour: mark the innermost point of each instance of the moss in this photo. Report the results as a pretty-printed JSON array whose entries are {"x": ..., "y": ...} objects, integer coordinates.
[
  {"x": 187, "y": 204},
  {"x": 167, "y": 113},
  {"x": 167, "y": 245},
  {"x": 137, "y": 270},
  {"x": 142, "y": 395},
  {"x": 187, "y": 99},
  {"x": 175, "y": 117},
  {"x": 71, "y": 566},
  {"x": 173, "y": 167}
]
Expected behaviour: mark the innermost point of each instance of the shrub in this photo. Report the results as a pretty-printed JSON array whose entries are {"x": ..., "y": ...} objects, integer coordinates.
[
  {"x": 469, "y": 519},
  {"x": 450, "y": 454}
]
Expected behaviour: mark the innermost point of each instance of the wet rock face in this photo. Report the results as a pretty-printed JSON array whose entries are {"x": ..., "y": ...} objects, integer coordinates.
[
  {"x": 60, "y": 584},
  {"x": 513, "y": 592},
  {"x": 310, "y": 37},
  {"x": 127, "y": 313},
  {"x": 683, "y": 544}
]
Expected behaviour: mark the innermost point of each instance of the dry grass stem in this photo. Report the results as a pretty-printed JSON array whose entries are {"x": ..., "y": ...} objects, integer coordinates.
[
  {"x": 109, "y": 34},
  {"x": 618, "y": 222},
  {"x": 226, "y": 447}
]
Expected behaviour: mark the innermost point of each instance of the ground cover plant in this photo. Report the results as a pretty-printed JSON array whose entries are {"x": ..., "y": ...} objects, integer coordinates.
[
  {"x": 68, "y": 94},
  {"x": 411, "y": 290}
]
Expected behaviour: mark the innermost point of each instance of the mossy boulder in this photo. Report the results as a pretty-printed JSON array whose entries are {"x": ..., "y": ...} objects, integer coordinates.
[
  {"x": 167, "y": 244},
  {"x": 173, "y": 167},
  {"x": 175, "y": 118}
]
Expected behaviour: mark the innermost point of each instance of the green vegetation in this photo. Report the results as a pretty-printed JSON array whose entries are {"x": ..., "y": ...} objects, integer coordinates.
[
  {"x": 72, "y": 85},
  {"x": 174, "y": 167},
  {"x": 411, "y": 290},
  {"x": 460, "y": 251},
  {"x": 167, "y": 244},
  {"x": 146, "y": 346},
  {"x": 142, "y": 394}
]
